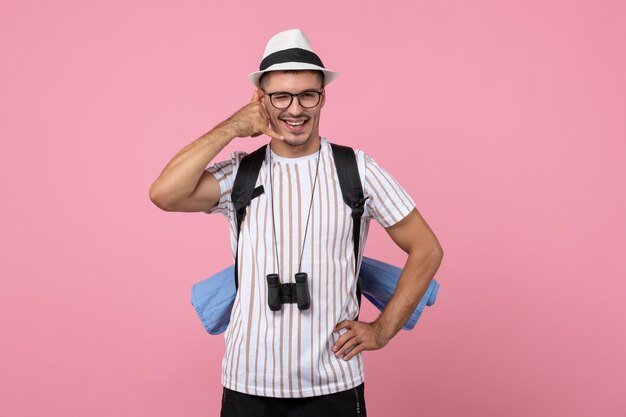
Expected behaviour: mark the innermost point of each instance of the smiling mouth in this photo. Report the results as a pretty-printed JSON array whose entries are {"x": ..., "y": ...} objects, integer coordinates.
[{"x": 295, "y": 125}]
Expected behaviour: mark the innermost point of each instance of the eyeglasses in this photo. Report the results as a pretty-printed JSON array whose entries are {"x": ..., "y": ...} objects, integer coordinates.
[{"x": 307, "y": 99}]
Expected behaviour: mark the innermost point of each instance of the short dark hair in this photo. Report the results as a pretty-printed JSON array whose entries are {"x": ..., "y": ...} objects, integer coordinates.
[{"x": 320, "y": 74}]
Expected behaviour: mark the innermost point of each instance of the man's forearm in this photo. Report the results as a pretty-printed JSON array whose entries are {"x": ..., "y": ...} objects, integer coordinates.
[
  {"x": 181, "y": 175},
  {"x": 415, "y": 278}
]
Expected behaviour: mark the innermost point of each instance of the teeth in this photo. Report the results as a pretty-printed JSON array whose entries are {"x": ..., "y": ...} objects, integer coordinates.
[{"x": 294, "y": 123}]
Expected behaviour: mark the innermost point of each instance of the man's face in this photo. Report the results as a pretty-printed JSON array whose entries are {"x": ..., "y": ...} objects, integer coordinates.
[{"x": 296, "y": 123}]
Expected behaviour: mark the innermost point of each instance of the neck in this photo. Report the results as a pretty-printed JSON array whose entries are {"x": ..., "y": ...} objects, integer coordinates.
[{"x": 284, "y": 149}]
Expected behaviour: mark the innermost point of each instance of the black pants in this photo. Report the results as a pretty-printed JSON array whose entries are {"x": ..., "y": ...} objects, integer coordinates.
[{"x": 350, "y": 403}]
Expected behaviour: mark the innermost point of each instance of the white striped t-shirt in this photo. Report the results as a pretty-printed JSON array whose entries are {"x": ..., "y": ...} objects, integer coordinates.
[{"x": 288, "y": 353}]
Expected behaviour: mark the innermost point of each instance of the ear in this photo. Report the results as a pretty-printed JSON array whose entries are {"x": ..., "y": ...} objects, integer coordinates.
[
  {"x": 261, "y": 94},
  {"x": 323, "y": 98}
]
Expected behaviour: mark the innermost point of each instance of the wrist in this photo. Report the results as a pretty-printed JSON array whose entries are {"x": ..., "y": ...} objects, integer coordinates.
[
  {"x": 383, "y": 331},
  {"x": 229, "y": 129}
]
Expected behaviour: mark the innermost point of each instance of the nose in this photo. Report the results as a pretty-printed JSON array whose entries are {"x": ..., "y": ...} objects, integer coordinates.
[{"x": 294, "y": 108}]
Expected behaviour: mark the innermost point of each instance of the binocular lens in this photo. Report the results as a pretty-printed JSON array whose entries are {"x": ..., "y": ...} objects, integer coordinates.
[
  {"x": 274, "y": 296},
  {"x": 302, "y": 291}
]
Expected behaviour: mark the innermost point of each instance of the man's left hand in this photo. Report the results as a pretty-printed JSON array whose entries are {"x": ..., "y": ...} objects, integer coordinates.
[{"x": 360, "y": 336}]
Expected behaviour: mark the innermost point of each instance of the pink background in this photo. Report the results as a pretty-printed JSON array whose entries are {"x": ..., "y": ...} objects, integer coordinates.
[{"x": 505, "y": 120}]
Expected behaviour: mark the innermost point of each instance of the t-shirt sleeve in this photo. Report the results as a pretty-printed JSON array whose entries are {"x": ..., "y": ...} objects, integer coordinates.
[
  {"x": 388, "y": 202},
  {"x": 225, "y": 172}
]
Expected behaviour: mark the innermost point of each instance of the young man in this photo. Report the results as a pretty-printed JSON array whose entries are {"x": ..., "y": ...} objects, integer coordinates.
[{"x": 288, "y": 360}]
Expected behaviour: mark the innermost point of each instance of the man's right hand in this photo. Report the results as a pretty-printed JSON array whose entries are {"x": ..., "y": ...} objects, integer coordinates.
[{"x": 252, "y": 120}]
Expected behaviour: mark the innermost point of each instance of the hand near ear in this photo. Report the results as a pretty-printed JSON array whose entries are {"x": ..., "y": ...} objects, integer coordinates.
[{"x": 252, "y": 119}]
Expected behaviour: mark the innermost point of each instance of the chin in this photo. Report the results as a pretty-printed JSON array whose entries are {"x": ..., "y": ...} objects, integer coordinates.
[{"x": 292, "y": 140}]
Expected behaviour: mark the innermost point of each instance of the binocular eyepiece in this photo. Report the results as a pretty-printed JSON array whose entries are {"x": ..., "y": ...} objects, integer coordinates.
[{"x": 279, "y": 294}]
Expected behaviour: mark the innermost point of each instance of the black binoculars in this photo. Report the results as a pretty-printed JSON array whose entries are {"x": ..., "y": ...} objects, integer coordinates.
[{"x": 279, "y": 294}]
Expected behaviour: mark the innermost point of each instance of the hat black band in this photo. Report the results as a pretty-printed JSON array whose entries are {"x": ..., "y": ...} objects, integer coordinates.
[{"x": 291, "y": 55}]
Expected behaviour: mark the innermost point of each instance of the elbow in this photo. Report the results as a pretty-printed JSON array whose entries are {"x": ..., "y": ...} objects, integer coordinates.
[
  {"x": 158, "y": 199},
  {"x": 432, "y": 256},
  {"x": 431, "y": 250},
  {"x": 437, "y": 252}
]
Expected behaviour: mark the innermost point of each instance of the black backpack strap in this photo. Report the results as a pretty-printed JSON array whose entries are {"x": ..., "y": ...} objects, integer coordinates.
[
  {"x": 243, "y": 191},
  {"x": 352, "y": 191}
]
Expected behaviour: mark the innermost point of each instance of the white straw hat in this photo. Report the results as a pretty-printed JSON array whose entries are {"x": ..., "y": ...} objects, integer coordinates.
[{"x": 290, "y": 50}]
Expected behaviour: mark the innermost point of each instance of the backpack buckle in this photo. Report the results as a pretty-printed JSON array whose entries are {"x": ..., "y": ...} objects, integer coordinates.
[{"x": 358, "y": 208}]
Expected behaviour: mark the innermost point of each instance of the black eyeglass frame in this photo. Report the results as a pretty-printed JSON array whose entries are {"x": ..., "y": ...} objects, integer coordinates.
[{"x": 319, "y": 98}]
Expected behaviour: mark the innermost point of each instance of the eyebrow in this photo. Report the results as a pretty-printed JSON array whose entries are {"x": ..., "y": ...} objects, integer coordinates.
[{"x": 301, "y": 92}]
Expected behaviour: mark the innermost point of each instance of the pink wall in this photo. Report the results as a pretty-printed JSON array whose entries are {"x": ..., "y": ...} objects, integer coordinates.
[{"x": 504, "y": 120}]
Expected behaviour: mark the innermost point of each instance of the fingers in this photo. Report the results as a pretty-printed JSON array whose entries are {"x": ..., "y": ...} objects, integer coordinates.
[
  {"x": 358, "y": 337},
  {"x": 358, "y": 349},
  {"x": 345, "y": 345},
  {"x": 257, "y": 96},
  {"x": 271, "y": 133},
  {"x": 261, "y": 100},
  {"x": 339, "y": 347},
  {"x": 264, "y": 108},
  {"x": 346, "y": 324},
  {"x": 258, "y": 112},
  {"x": 341, "y": 341},
  {"x": 268, "y": 130}
]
